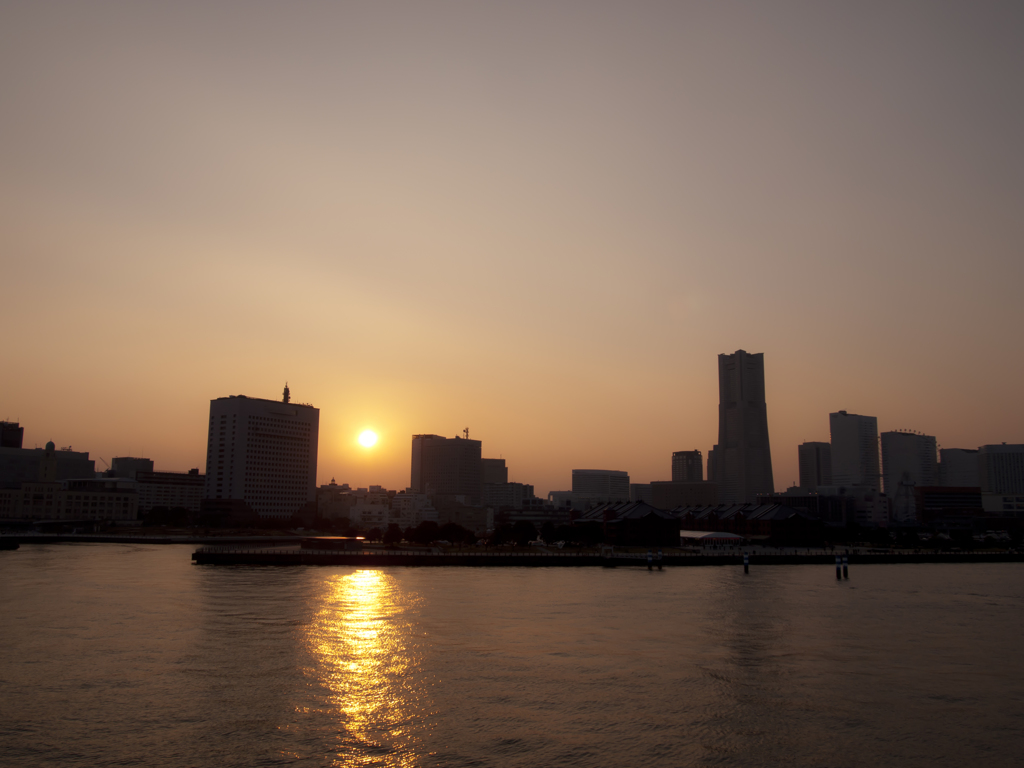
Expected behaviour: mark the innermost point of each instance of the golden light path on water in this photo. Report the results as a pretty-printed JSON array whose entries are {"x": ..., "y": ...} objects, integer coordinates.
[{"x": 360, "y": 641}]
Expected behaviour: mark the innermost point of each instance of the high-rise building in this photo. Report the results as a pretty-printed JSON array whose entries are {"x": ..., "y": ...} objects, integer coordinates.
[
  {"x": 261, "y": 455},
  {"x": 854, "y": 450},
  {"x": 713, "y": 464},
  {"x": 908, "y": 461},
  {"x": 1001, "y": 468},
  {"x": 493, "y": 471},
  {"x": 12, "y": 434},
  {"x": 447, "y": 466},
  {"x": 687, "y": 467},
  {"x": 958, "y": 468},
  {"x": 743, "y": 455},
  {"x": 815, "y": 464},
  {"x": 596, "y": 486}
]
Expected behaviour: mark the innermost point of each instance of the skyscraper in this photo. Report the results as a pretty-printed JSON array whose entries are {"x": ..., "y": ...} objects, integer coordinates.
[
  {"x": 854, "y": 449},
  {"x": 908, "y": 461},
  {"x": 815, "y": 464},
  {"x": 447, "y": 466},
  {"x": 743, "y": 457},
  {"x": 687, "y": 467},
  {"x": 262, "y": 454}
]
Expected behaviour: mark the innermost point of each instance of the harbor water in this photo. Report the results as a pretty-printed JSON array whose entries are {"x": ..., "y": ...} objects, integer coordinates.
[{"x": 124, "y": 655}]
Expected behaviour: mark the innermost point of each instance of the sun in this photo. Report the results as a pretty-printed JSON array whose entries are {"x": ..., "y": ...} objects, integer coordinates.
[{"x": 368, "y": 438}]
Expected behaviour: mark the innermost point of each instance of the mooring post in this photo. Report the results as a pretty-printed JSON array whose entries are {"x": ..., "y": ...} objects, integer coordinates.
[
  {"x": 839, "y": 567},
  {"x": 846, "y": 566},
  {"x": 746, "y": 562}
]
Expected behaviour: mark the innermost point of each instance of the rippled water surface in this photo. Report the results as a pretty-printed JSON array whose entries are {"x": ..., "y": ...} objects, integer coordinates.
[{"x": 130, "y": 655}]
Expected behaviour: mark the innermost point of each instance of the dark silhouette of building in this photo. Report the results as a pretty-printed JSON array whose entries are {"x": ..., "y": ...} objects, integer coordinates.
[
  {"x": 687, "y": 467},
  {"x": 815, "y": 464},
  {"x": 670, "y": 495},
  {"x": 129, "y": 466},
  {"x": 743, "y": 455},
  {"x": 713, "y": 464},
  {"x": 493, "y": 471},
  {"x": 32, "y": 465},
  {"x": 12, "y": 434},
  {"x": 854, "y": 441},
  {"x": 443, "y": 466}
]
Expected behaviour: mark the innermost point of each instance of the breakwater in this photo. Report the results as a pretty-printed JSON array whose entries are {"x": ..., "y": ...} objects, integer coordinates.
[{"x": 379, "y": 558}]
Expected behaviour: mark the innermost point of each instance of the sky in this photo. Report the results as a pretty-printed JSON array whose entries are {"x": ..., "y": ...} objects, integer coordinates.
[{"x": 541, "y": 221}]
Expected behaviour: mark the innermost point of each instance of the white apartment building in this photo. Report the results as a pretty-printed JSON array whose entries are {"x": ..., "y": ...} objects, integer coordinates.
[{"x": 263, "y": 453}]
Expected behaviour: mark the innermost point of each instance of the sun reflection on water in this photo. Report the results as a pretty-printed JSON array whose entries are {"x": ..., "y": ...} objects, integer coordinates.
[{"x": 361, "y": 642}]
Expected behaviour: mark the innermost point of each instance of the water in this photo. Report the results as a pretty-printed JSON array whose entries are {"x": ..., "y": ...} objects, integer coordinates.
[{"x": 129, "y": 655}]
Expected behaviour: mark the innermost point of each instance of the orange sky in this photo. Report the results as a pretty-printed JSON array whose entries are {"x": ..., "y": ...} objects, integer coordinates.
[{"x": 539, "y": 221}]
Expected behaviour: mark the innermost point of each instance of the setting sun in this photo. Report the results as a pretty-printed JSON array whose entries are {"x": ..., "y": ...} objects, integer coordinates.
[{"x": 368, "y": 438}]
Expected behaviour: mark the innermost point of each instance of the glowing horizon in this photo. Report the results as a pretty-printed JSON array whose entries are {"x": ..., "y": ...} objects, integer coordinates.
[{"x": 541, "y": 222}]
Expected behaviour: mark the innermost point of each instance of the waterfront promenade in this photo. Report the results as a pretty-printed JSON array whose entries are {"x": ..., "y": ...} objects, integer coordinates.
[{"x": 471, "y": 557}]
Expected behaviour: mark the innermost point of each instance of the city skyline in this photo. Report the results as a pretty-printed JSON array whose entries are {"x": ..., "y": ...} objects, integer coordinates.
[{"x": 433, "y": 219}]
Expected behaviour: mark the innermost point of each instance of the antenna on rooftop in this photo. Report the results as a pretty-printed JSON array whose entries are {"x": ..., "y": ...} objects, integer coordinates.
[
  {"x": 287, "y": 393},
  {"x": 466, "y": 432}
]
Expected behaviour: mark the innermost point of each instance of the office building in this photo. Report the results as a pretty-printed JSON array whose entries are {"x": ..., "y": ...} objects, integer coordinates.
[
  {"x": 107, "y": 500},
  {"x": 671, "y": 495},
  {"x": 12, "y": 434},
  {"x": 854, "y": 449},
  {"x": 1001, "y": 468},
  {"x": 512, "y": 495},
  {"x": 908, "y": 460},
  {"x": 443, "y": 466},
  {"x": 261, "y": 456},
  {"x": 815, "y": 461},
  {"x": 958, "y": 468},
  {"x": 640, "y": 492},
  {"x": 743, "y": 455},
  {"x": 128, "y": 466},
  {"x": 493, "y": 471},
  {"x": 687, "y": 467},
  {"x": 712, "y": 464},
  {"x": 169, "y": 490},
  {"x": 596, "y": 486},
  {"x": 49, "y": 464}
]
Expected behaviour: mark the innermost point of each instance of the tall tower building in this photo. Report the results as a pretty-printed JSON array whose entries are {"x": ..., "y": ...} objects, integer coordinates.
[
  {"x": 262, "y": 453},
  {"x": 743, "y": 457},
  {"x": 908, "y": 460},
  {"x": 815, "y": 464},
  {"x": 687, "y": 467},
  {"x": 447, "y": 466},
  {"x": 854, "y": 449}
]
